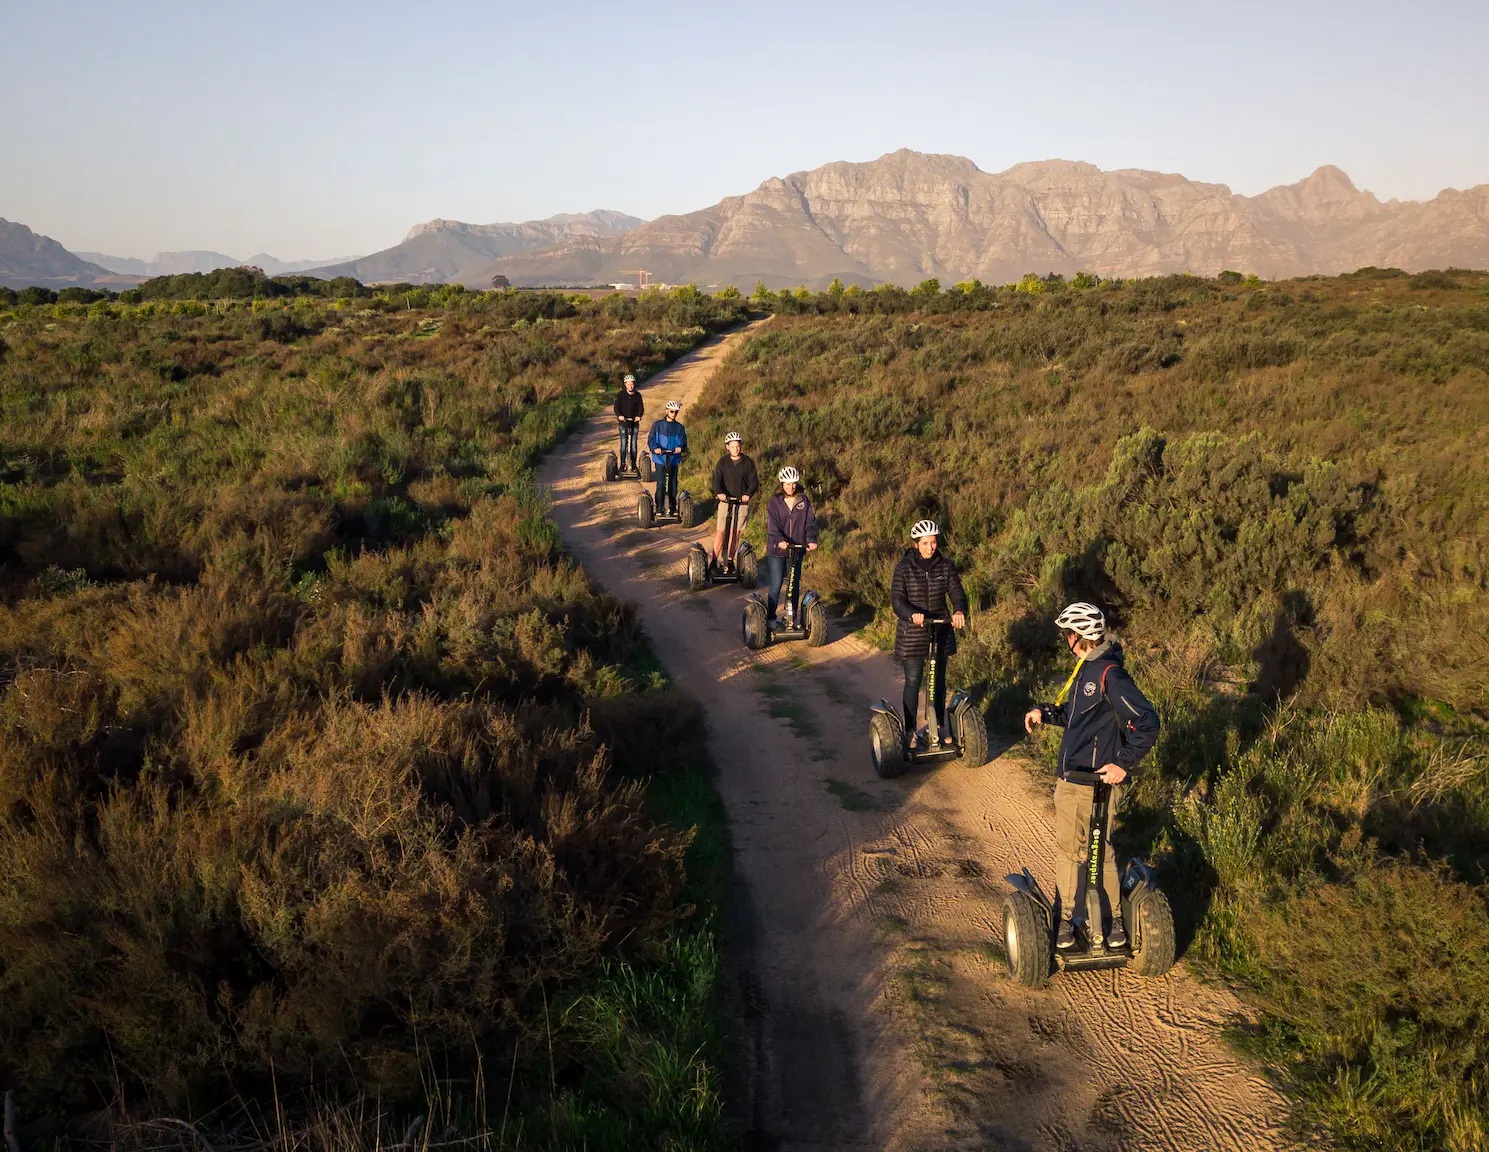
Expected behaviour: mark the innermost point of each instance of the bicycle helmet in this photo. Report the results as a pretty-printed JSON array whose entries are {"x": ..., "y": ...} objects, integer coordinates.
[
  {"x": 788, "y": 475},
  {"x": 924, "y": 528},
  {"x": 629, "y": 379},
  {"x": 1085, "y": 620},
  {"x": 673, "y": 406},
  {"x": 733, "y": 438}
]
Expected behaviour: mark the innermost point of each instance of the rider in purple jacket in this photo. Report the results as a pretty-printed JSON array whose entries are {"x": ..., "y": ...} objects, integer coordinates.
[{"x": 789, "y": 520}]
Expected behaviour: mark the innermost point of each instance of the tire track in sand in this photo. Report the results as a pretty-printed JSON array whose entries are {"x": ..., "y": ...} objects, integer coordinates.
[{"x": 870, "y": 1005}]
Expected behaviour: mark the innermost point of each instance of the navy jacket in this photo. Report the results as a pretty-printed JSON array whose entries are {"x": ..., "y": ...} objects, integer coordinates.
[{"x": 1115, "y": 726}]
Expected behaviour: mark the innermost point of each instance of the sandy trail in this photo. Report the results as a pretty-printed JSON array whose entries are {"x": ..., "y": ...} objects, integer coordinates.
[{"x": 871, "y": 1005}]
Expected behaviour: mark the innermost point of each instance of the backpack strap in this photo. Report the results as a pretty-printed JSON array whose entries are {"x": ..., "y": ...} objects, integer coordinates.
[{"x": 1123, "y": 725}]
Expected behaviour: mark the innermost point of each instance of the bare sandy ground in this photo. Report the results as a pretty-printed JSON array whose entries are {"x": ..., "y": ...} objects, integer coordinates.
[{"x": 871, "y": 1006}]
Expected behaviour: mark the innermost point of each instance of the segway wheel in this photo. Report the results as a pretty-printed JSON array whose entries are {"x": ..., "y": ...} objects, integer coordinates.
[
  {"x": 644, "y": 510},
  {"x": 685, "y": 509},
  {"x": 1153, "y": 951},
  {"x": 816, "y": 624},
  {"x": 612, "y": 465},
  {"x": 697, "y": 569},
  {"x": 886, "y": 746},
  {"x": 1026, "y": 940},
  {"x": 753, "y": 628},
  {"x": 644, "y": 464},
  {"x": 748, "y": 566},
  {"x": 969, "y": 730}
]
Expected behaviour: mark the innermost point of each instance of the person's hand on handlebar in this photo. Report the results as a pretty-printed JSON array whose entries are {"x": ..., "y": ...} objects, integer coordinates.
[
  {"x": 918, "y": 619},
  {"x": 812, "y": 547},
  {"x": 784, "y": 545},
  {"x": 744, "y": 499},
  {"x": 1112, "y": 773},
  {"x": 720, "y": 497},
  {"x": 1033, "y": 718},
  {"x": 958, "y": 619}
]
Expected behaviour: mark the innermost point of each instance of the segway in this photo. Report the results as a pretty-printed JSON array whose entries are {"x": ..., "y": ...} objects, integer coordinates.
[
  {"x": 1029, "y": 916},
  {"x": 643, "y": 470},
  {"x": 891, "y": 753},
  {"x": 648, "y": 516},
  {"x": 804, "y": 615},
  {"x": 738, "y": 564}
]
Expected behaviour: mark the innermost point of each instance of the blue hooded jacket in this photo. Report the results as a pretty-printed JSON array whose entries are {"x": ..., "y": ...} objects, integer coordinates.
[{"x": 665, "y": 435}]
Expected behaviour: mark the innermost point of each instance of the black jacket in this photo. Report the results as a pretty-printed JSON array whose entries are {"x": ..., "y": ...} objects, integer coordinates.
[
  {"x": 735, "y": 478},
  {"x": 629, "y": 405},
  {"x": 1107, "y": 720},
  {"x": 918, "y": 589}
]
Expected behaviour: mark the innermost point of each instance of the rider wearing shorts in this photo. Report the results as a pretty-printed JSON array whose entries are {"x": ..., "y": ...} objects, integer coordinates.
[
  {"x": 924, "y": 579},
  {"x": 1109, "y": 727},
  {"x": 734, "y": 478}
]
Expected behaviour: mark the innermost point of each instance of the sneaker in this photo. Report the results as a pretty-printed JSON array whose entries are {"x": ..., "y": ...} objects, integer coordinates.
[
  {"x": 947, "y": 741},
  {"x": 774, "y": 626},
  {"x": 1117, "y": 937},
  {"x": 1065, "y": 938},
  {"x": 923, "y": 738}
]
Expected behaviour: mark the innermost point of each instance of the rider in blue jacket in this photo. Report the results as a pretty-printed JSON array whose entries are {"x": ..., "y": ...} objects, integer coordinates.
[{"x": 666, "y": 442}]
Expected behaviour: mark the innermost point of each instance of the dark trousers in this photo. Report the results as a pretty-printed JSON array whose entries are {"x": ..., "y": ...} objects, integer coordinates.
[
  {"x": 778, "y": 561},
  {"x": 666, "y": 498},
  {"x": 628, "y": 437},
  {"x": 910, "y": 702}
]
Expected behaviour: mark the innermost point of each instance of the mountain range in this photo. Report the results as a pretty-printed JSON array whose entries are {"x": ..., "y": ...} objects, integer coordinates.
[
  {"x": 175, "y": 263},
  {"x": 904, "y": 217},
  {"x": 909, "y": 216},
  {"x": 449, "y": 251}
]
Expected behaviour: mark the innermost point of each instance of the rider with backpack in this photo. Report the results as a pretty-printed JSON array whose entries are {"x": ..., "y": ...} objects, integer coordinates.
[{"x": 1109, "y": 727}]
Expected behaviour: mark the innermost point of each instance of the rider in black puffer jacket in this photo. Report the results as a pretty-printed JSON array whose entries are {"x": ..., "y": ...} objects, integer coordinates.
[{"x": 924, "y": 580}]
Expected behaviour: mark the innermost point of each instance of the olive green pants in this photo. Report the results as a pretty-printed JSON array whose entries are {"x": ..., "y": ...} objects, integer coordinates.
[{"x": 1072, "y": 845}]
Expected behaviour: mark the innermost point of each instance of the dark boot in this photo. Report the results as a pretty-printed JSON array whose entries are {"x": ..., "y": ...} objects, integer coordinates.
[{"x": 1117, "y": 937}]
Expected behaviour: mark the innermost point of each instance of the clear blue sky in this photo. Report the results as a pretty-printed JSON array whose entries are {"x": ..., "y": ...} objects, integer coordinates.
[{"x": 318, "y": 129}]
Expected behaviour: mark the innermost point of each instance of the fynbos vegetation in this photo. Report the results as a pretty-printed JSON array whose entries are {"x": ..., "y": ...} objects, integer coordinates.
[
  {"x": 323, "y": 773},
  {"x": 1279, "y": 491}
]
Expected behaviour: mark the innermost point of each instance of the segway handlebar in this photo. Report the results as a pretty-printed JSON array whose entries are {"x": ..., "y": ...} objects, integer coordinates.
[{"x": 1089, "y": 778}]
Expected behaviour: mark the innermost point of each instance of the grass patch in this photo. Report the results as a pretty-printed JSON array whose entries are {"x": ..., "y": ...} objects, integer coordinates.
[{"x": 852, "y": 799}]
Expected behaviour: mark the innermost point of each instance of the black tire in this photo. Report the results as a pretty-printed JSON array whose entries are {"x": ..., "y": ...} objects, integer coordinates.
[
  {"x": 697, "y": 569},
  {"x": 685, "y": 509},
  {"x": 644, "y": 510},
  {"x": 644, "y": 466},
  {"x": 816, "y": 624},
  {"x": 1026, "y": 940},
  {"x": 970, "y": 732},
  {"x": 753, "y": 626},
  {"x": 1153, "y": 948},
  {"x": 886, "y": 747},
  {"x": 747, "y": 564},
  {"x": 612, "y": 465}
]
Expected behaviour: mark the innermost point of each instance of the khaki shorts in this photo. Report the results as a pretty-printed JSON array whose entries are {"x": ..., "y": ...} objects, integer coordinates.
[{"x": 721, "y": 521}]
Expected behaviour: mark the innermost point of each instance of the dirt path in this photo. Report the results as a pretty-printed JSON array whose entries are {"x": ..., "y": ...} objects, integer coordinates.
[{"x": 872, "y": 1007}]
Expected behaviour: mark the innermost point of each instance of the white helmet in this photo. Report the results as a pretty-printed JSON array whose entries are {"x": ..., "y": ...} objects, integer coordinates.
[
  {"x": 733, "y": 438},
  {"x": 788, "y": 475},
  {"x": 629, "y": 379},
  {"x": 924, "y": 528},
  {"x": 673, "y": 406},
  {"x": 1085, "y": 620}
]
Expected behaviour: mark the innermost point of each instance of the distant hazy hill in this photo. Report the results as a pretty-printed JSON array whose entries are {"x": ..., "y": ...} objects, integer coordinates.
[
  {"x": 175, "y": 263},
  {"x": 27, "y": 259},
  {"x": 908, "y": 216},
  {"x": 448, "y": 250}
]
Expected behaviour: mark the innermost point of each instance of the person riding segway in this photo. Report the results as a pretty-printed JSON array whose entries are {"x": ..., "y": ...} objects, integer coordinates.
[
  {"x": 735, "y": 482},
  {"x": 629, "y": 407},
  {"x": 666, "y": 442},
  {"x": 924, "y": 639},
  {"x": 790, "y": 533},
  {"x": 1110, "y": 726}
]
